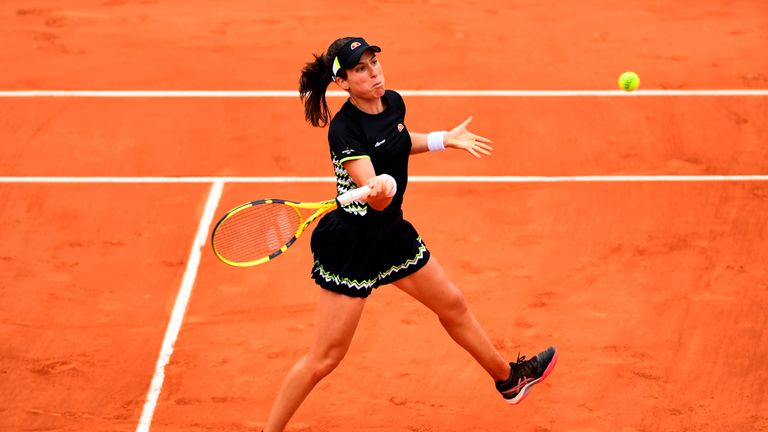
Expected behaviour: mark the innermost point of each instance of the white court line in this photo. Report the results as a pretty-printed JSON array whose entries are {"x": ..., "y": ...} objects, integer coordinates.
[
  {"x": 414, "y": 179},
  {"x": 334, "y": 93},
  {"x": 182, "y": 299}
]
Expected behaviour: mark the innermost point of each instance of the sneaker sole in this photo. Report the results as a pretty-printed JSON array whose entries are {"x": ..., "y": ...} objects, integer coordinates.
[{"x": 524, "y": 392}]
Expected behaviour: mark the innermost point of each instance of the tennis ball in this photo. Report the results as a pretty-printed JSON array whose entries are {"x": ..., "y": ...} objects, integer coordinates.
[{"x": 629, "y": 81}]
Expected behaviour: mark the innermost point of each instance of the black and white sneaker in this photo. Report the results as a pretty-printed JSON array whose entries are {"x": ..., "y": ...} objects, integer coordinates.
[{"x": 526, "y": 373}]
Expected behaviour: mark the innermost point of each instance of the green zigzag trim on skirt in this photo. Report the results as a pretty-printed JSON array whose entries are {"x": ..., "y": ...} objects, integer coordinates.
[{"x": 338, "y": 280}]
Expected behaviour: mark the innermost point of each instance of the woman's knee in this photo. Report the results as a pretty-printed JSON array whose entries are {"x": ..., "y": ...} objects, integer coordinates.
[
  {"x": 323, "y": 363},
  {"x": 454, "y": 305}
]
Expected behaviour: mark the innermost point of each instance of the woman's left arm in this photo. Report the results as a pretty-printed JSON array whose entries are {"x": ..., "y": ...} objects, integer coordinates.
[{"x": 458, "y": 138}]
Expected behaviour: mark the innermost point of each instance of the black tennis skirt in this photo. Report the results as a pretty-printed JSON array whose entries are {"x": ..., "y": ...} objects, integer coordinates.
[{"x": 353, "y": 256}]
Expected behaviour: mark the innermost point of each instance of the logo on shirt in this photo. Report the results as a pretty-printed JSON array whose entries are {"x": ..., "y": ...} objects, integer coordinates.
[
  {"x": 400, "y": 127},
  {"x": 378, "y": 143},
  {"x": 347, "y": 151}
]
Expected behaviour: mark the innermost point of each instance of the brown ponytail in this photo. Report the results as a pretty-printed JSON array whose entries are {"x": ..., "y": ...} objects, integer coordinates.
[{"x": 314, "y": 81}]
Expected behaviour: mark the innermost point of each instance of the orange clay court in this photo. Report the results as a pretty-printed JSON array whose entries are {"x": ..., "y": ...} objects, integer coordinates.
[{"x": 654, "y": 292}]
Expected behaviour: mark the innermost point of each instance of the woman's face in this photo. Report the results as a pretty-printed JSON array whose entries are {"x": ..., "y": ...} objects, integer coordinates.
[{"x": 366, "y": 80}]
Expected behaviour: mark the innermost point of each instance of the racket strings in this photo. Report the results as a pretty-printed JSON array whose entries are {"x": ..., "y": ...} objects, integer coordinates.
[{"x": 256, "y": 232}]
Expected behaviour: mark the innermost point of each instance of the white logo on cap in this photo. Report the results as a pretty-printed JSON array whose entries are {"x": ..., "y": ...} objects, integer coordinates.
[{"x": 354, "y": 45}]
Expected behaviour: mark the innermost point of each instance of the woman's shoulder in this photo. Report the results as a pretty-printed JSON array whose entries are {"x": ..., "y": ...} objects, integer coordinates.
[
  {"x": 394, "y": 99},
  {"x": 393, "y": 95},
  {"x": 342, "y": 122}
]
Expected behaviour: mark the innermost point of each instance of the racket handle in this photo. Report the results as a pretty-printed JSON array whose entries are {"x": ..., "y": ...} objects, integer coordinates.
[
  {"x": 353, "y": 195},
  {"x": 362, "y": 192}
]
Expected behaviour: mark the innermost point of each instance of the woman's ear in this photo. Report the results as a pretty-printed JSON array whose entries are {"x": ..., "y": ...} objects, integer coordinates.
[{"x": 341, "y": 82}]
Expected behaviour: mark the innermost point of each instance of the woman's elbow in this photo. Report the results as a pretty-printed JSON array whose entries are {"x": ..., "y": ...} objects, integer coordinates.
[{"x": 380, "y": 203}]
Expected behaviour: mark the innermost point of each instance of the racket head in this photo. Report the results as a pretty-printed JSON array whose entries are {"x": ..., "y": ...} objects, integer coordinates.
[{"x": 256, "y": 232}]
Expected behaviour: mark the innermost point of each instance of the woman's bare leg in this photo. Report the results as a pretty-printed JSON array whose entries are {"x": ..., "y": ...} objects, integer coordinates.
[
  {"x": 336, "y": 322},
  {"x": 430, "y": 286}
]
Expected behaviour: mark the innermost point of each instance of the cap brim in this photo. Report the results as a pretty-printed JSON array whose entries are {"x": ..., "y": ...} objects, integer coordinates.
[{"x": 355, "y": 58}]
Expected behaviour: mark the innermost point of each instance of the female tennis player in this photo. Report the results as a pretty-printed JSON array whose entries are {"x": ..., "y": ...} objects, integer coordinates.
[{"x": 367, "y": 244}]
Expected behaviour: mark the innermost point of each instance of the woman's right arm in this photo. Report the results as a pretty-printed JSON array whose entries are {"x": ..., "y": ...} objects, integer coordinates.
[{"x": 362, "y": 173}]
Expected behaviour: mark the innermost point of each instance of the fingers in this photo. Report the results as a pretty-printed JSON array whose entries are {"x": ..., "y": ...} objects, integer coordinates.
[
  {"x": 479, "y": 146},
  {"x": 482, "y": 148},
  {"x": 478, "y": 151},
  {"x": 481, "y": 139},
  {"x": 462, "y": 138},
  {"x": 390, "y": 185},
  {"x": 381, "y": 185}
]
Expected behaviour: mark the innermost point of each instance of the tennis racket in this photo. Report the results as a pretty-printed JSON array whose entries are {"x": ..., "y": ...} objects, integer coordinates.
[{"x": 258, "y": 231}]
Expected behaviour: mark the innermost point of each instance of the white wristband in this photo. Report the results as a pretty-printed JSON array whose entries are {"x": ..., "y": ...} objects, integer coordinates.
[{"x": 436, "y": 140}]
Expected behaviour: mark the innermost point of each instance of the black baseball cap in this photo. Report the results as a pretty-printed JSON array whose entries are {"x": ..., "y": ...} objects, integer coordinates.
[{"x": 349, "y": 55}]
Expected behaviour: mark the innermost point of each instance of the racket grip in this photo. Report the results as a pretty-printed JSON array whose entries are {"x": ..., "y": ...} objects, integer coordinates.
[{"x": 353, "y": 195}]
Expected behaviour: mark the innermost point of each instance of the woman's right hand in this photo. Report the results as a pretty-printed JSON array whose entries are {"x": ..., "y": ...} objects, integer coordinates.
[{"x": 383, "y": 188}]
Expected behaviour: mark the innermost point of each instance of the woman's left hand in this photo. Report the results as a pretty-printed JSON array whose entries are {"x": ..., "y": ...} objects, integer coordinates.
[{"x": 461, "y": 138}]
